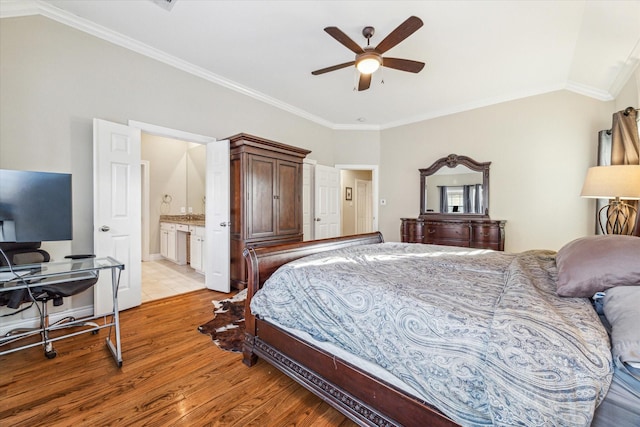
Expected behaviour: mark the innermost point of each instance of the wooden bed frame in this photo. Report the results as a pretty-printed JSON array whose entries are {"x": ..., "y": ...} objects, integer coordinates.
[{"x": 361, "y": 397}]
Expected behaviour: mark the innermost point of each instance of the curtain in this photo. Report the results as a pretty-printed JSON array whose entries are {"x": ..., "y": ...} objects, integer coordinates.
[
  {"x": 478, "y": 199},
  {"x": 604, "y": 159},
  {"x": 466, "y": 198},
  {"x": 444, "y": 200},
  {"x": 625, "y": 147}
]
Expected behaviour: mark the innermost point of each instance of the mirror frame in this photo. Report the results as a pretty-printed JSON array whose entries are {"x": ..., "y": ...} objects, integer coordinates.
[{"x": 451, "y": 161}]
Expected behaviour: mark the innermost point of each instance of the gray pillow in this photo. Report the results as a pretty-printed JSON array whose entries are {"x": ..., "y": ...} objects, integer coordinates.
[
  {"x": 597, "y": 263},
  {"x": 622, "y": 309}
]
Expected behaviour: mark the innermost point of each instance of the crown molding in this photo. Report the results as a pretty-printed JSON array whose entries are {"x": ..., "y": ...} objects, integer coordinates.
[
  {"x": 14, "y": 8},
  {"x": 20, "y": 8},
  {"x": 487, "y": 102},
  {"x": 627, "y": 70},
  {"x": 600, "y": 95}
]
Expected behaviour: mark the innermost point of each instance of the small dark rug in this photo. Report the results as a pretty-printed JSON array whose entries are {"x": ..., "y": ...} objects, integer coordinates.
[{"x": 227, "y": 326}]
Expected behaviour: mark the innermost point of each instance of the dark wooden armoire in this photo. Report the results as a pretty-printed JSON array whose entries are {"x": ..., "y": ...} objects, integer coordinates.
[{"x": 266, "y": 197}]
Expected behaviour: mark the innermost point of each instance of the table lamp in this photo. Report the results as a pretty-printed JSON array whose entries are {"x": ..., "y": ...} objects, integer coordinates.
[{"x": 614, "y": 183}]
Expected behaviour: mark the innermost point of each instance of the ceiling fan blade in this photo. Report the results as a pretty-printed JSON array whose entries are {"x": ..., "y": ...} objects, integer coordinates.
[
  {"x": 403, "y": 64},
  {"x": 332, "y": 68},
  {"x": 364, "y": 82},
  {"x": 337, "y": 34},
  {"x": 404, "y": 30}
]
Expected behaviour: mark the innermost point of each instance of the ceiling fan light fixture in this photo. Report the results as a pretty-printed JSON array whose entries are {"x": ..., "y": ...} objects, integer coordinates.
[{"x": 368, "y": 63}]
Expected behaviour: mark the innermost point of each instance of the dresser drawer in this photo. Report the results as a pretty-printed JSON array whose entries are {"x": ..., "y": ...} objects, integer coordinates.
[
  {"x": 167, "y": 226},
  {"x": 463, "y": 231},
  {"x": 446, "y": 232},
  {"x": 412, "y": 231},
  {"x": 486, "y": 233}
]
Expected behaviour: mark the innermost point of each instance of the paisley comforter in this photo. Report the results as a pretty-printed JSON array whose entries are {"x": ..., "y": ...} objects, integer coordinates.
[{"x": 479, "y": 334}]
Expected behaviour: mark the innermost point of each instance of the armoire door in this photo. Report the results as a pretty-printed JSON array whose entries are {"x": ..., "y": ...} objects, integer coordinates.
[
  {"x": 289, "y": 202},
  {"x": 262, "y": 201}
]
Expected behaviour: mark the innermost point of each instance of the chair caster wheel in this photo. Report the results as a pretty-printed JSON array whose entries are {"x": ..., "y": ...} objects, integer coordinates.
[
  {"x": 95, "y": 332},
  {"x": 51, "y": 354}
]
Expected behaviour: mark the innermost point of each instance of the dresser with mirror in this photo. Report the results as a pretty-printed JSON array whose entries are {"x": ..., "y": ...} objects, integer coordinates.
[{"x": 454, "y": 206}]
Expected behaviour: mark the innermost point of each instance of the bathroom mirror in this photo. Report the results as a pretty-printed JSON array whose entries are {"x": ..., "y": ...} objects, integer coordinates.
[
  {"x": 177, "y": 174},
  {"x": 196, "y": 158},
  {"x": 455, "y": 185}
]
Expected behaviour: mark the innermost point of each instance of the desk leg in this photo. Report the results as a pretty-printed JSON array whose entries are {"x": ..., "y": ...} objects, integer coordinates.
[{"x": 115, "y": 351}]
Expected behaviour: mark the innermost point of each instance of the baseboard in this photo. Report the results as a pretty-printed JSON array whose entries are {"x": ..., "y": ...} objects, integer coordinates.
[
  {"x": 155, "y": 257},
  {"x": 34, "y": 322}
]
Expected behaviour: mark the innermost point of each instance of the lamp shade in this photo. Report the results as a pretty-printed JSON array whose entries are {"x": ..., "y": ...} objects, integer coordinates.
[{"x": 608, "y": 182}]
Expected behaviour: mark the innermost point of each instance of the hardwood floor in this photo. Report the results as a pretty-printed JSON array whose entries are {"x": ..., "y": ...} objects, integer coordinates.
[{"x": 171, "y": 375}]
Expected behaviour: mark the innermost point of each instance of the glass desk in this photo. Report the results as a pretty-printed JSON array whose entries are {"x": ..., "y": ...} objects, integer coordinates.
[{"x": 33, "y": 276}]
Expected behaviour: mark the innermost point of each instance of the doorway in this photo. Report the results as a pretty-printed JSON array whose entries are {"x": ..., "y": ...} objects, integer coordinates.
[
  {"x": 173, "y": 189},
  {"x": 173, "y": 177},
  {"x": 359, "y": 185}
]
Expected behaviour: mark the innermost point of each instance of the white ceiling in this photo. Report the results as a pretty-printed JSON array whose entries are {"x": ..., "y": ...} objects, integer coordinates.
[{"x": 477, "y": 53}]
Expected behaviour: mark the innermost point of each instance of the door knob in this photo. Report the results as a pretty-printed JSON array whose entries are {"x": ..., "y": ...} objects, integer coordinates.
[
  {"x": 105, "y": 228},
  {"x": 224, "y": 224},
  {"x": 318, "y": 219}
]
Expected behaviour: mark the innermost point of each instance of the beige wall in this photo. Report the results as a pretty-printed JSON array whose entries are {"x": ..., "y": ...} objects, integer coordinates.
[
  {"x": 355, "y": 147},
  {"x": 167, "y": 173},
  {"x": 540, "y": 148},
  {"x": 176, "y": 169},
  {"x": 54, "y": 80},
  {"x": 348, "y": 179}
]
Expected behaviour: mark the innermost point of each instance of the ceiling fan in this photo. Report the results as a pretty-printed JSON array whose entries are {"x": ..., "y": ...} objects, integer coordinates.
[{"x": 368, "y": 58}]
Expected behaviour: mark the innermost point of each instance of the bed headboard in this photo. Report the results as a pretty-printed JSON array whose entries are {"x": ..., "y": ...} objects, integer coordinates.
[{"x": 263, "y": 262}]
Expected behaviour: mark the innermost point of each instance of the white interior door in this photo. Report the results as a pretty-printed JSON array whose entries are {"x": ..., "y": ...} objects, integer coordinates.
[
  {"x": 216, "y": 245},
  {"x": 364, "y": 215},
  {"x": 327, "y": 202},
  {"x": 116, "y": 211}
]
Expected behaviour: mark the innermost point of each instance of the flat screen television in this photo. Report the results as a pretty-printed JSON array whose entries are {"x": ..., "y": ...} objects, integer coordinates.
[{"x": 35, "y": 206}]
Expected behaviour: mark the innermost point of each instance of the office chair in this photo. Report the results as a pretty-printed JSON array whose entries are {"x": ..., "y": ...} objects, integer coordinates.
[{"x": 18, "y": 254}]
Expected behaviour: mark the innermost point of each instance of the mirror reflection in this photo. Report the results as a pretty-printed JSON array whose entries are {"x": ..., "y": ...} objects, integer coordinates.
[
  {"x": 196, "y": 159},
  {"x": 455, "y": 185},
  {"x": 454, "y": 190},
  {"x": 177, "y": 171}
]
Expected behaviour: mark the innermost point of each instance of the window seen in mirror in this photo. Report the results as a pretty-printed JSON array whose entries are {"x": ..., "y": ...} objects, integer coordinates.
[{"x": 461, "y": 198}]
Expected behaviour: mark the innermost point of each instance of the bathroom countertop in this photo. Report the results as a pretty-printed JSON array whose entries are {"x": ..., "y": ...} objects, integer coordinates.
[{"x": 196, "y": 220}]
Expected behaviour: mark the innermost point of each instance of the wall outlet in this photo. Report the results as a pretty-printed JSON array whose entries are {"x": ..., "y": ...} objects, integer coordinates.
[
  {"x": 190, "y": 209},
  {"x": 183, "y": 210},
  {"x": 383, "y": 202}
]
